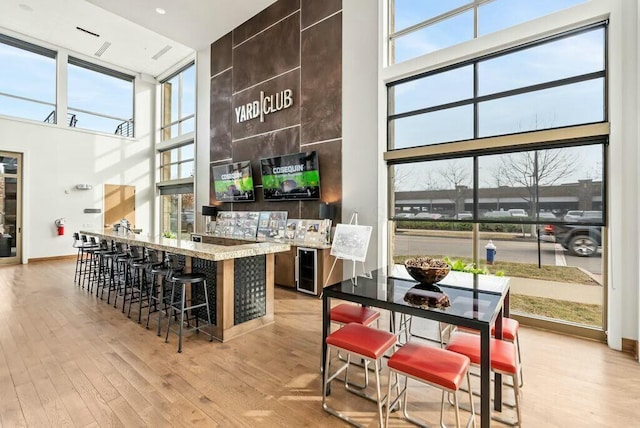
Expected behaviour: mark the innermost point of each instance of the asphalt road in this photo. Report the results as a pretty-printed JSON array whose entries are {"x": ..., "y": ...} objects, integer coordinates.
[{"x": 525, "y": 251}]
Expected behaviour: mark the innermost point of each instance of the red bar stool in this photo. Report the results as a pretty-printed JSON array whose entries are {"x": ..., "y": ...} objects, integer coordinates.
[
  {"x": 437, "y": 367},
  {"x": 367, "y": 343},
  {"x": 510, "y": 329},
  {"x": 344, "y": 314},
  {"x": 503, "y": 361}
]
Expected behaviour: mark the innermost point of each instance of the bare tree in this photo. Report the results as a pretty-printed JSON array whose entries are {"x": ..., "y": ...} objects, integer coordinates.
[
  {"x": 456, "y": 177},
  {"x": 429, "y": 184},
  {"x": 402, "y": 178},
  {"x": 497, "y": 181},
  {"x": 534, "y": 169}
]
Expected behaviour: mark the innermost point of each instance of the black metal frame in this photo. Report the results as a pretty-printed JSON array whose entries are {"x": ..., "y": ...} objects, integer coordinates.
[{"x": 365, "y": 292}]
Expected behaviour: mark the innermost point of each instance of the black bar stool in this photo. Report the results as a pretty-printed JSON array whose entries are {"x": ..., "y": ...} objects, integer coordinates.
[
  {"x": 160, "y": 287},
  {"x": 81, "y": 245},
  {"x": 187, "y": 304}
]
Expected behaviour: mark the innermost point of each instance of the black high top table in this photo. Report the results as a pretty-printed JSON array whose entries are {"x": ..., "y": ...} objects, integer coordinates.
[{"x": 476, "y": 301}]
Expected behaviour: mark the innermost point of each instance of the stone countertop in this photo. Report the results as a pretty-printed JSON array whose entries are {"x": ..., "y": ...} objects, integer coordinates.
[
  {"x": 291, "y": 242},
  {"x": 194, "y": 249}
]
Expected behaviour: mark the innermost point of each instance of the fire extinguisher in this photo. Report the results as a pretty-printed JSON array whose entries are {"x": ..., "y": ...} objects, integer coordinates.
[{"x": 60, "y": 225}]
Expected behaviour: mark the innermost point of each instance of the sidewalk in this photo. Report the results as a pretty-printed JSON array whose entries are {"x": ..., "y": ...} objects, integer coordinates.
[{"x": 578, "y": 293}]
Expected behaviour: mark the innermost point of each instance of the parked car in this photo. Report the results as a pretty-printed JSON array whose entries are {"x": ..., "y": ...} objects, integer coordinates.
[
  {"x": 497, "y": 214},
  {"x": 580, "y": 240},
  {"x": 464, "y": 215},
  {"x": 405, "y": 215},
  {"x": 583, "y": 216},
  {"x": 518, "y": 212},
  {"x": 433, "y": 216},
  {"x": 547, "y": 216}
]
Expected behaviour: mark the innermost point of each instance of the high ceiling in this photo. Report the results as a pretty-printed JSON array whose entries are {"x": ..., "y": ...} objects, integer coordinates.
[{"x": 129, "y": 32}]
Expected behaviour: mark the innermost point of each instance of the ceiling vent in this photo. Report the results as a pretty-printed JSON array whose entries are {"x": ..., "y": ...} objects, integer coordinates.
[
  {"x": 103, "y": 48},
  {"x": 161, "y": 52}
]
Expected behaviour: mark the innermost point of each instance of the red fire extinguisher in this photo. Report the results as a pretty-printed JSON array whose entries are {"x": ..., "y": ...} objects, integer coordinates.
[{"x": 60, "y": 225}]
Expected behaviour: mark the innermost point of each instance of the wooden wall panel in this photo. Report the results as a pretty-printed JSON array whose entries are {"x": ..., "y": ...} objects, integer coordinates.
[
  {"x": 270, "y": 53},
  {"x": 314, "y": 10},
  {"x": 321, "y": 82},
  {"x": 267, "y": 17}
]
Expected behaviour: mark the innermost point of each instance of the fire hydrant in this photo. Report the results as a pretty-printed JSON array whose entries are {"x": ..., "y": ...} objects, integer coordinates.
[{"x": 491, "y": 252}]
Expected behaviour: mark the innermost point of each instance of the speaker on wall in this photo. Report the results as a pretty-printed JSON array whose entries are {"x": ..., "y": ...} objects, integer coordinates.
[
  {"x": 326, "y": 211},
  {"x": 210, "y": 211}
]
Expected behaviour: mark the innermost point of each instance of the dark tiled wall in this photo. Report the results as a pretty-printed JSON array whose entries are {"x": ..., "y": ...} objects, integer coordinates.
[{"x": 293, "y": 44}]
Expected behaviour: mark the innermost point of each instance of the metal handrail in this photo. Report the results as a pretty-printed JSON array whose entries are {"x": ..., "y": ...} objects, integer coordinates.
[
  {"x": 125, "y": 128},
  {"x": 51, "y": 118}
]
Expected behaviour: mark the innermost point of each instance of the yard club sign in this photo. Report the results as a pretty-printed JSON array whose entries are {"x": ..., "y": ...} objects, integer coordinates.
[{"x": 266, "y": 105}]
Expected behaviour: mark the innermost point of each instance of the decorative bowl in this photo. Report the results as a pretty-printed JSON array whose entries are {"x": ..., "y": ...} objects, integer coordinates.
[
  {"x": 427, "y": 296},
  {"x": 426, "y": 270}
]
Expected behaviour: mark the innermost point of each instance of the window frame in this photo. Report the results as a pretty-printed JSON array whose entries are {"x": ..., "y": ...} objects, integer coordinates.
[
  {"x": 126, "y": 128},
  {"x": 38, "y": 50},
  {"x": 476, "y": 99},
  {"x": 164, "y": 127}
]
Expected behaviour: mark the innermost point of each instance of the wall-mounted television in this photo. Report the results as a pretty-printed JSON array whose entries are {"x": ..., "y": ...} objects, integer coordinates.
[
  {"x": 233, "y": 182},
  {"x": 294, "y": 176}
]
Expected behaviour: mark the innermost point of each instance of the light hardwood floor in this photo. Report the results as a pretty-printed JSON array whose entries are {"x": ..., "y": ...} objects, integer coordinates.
[{"x": 69, "y": 359}]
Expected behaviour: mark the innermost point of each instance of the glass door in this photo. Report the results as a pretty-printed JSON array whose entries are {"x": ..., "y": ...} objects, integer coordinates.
[{"x": 10, "y": 208}]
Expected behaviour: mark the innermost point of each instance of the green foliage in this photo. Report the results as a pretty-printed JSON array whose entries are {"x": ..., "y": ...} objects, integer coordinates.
[
  {"x": 467, "y": 227},
  {"x": 169, "y": 234},
  {"x": 460, "y": 266}
]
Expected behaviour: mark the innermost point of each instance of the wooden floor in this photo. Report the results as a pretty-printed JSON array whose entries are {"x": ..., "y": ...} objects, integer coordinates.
[{"x": 69, "y": 359}]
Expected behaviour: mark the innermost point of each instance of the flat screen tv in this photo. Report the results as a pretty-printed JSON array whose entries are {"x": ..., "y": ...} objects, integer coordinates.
[
  {"x": 233, "y": 182},
  {"x": 294, "y": 176}
]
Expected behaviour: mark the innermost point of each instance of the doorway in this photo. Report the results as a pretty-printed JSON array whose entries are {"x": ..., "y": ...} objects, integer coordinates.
[{"x": 10, "y": 208}]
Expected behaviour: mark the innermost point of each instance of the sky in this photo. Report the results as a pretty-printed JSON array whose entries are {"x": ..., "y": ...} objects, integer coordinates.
[{"x": 33, "y": 76}]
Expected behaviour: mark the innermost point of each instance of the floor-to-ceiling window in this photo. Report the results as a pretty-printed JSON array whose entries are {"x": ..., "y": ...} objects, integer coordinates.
[
  {"x": 509, "y": 147},
  {"x": 177, "y": 154}
]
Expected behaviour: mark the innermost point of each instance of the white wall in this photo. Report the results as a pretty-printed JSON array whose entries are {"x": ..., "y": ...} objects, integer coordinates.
[
  {"x": 56, "y": 158},
  {"x": 361, "y": 159},
  {"x": 203, "y": 84}
]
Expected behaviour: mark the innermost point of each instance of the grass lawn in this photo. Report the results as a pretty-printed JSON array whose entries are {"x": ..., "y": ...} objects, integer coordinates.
[
  {"x": 527, "y": 270},
  {"x": 580, "y": 313}
]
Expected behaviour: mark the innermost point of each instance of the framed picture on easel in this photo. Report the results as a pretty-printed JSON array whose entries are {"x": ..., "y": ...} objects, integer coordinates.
[{"x": 351, "y": 242}]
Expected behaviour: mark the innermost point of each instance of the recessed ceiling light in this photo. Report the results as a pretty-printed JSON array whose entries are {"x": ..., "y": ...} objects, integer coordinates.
[{"x": 160, "y": 10}]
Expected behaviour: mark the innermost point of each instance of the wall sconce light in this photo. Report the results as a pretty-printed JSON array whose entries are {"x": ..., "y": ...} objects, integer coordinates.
[{"x": 84, "y": 186}]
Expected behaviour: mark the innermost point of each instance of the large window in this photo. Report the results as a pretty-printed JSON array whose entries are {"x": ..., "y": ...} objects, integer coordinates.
[
  {"x": 421, "y": 27},
  {"x": 27, "y": 80},
  {"x": 178, "y": 103},
  {"x": 549, "y": 84},
  {"x": 99, "y": 99},
  {"x": 177, "y": 163},
  {"x": 536, "y": 189}
]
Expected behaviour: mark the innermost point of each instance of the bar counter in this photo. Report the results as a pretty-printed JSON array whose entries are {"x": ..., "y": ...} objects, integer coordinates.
[{"x": 240, "y": 278}]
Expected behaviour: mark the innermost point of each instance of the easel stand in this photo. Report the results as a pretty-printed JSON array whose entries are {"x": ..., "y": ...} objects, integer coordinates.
[{"x": 352, "y": 221}]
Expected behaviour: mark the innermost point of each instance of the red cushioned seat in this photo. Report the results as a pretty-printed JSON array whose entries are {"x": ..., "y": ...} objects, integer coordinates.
[
  {"x": 346, "y": 313},
  {"x": 365, "y": 341},
  {"x": 509, "y": 329},
  {"x": 434, "y": 365},
  {"x": 369, "y": 344},
  {"x": 503, "y": 353}
]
